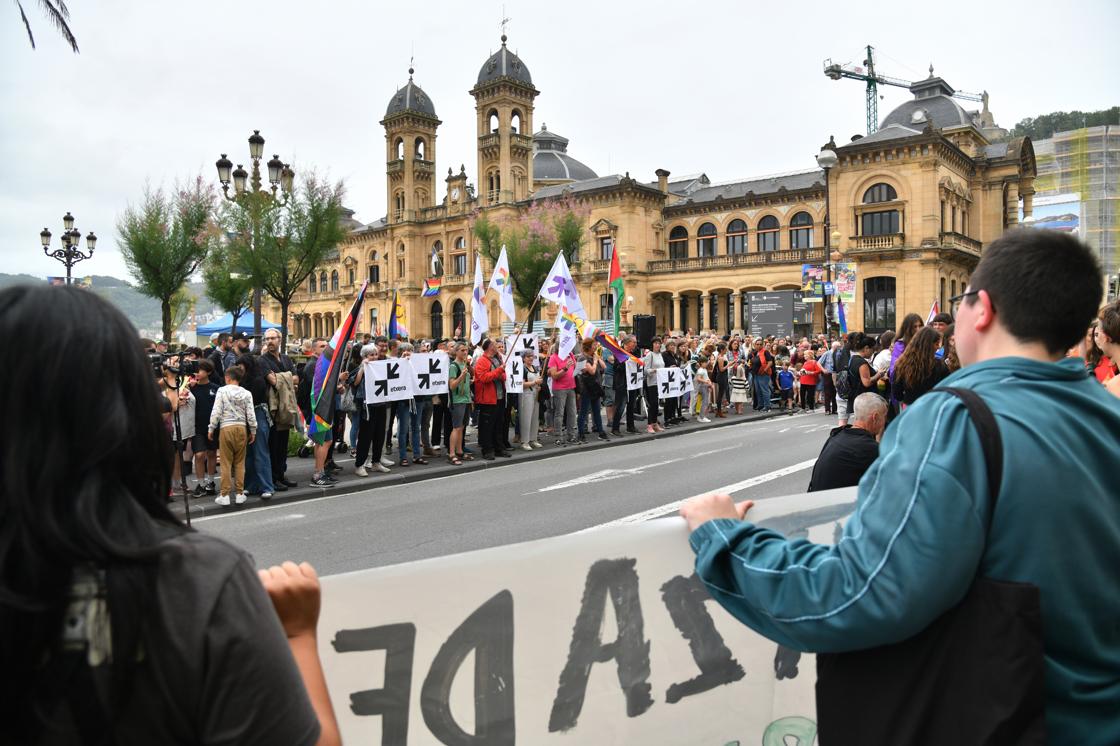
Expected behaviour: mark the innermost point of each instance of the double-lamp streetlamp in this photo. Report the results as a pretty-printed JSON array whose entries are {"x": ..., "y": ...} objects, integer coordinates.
[
  {"x": 248, "y": 194},
  {"x": 69, "y": 254},
  {"x": 826, "y": 159}
]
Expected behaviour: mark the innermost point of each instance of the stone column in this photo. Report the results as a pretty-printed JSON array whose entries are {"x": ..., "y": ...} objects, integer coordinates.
[
  {"x": 674, "y": 311},
  {"x": 1012, "y": 206},
  {"x": 681, "y": 311},
  {"x": 699, "y": 312},
  {"x": 737, "y": 300}
]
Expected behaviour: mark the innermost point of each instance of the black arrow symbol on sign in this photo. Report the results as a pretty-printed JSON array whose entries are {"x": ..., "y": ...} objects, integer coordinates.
[
  {"x": 665, "y": 388},
  {"x": 392, "y": 371},
  {"x": 634, "y": 376},
  {"x": 513, "y": 369},
  {"x": 527, "y": 343},
  {"x": 380, "y": 388},
  {"x": 425, "y": 379}
]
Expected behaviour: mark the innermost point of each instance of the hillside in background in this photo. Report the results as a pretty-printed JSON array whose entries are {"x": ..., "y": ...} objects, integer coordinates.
[
  {"x": 139, "y": 308},
  {"x": 1045, "y": 125}
]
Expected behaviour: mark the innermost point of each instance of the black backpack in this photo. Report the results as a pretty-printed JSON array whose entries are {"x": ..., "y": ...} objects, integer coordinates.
[{"x": 843, "y": 374}]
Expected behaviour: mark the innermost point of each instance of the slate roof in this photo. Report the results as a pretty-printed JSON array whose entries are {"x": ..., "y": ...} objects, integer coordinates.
[
  {"x": 996, "y": 150},
  {"x": 764, "y": 185},
  {"x": 578, "y": 186},
  {"x": 552, "y": 164},
  {"x": 889, "y": 132},
  {"x": 504, "y": 64},
  {"x": 410, "y": 98},
  {"x": 941, "y": 110}
]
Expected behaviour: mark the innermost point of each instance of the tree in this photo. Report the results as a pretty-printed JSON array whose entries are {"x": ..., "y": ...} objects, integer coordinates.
[
  {"x": 58, "y": 14},
  {"x": 1045, "y": 125},
  {"x": 532, "y": 241},
  {"x": 165, "y": 239},
  {"x": 232, "y": 291},
  {"x": 182, "y": 306},
  {"x": 279, "y": 246}
]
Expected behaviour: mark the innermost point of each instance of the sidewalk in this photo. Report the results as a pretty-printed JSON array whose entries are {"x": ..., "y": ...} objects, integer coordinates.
[{"x": 299, "y": 469}]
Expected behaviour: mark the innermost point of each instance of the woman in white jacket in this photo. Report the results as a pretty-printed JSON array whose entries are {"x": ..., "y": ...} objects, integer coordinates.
[{"x": 653, "y": 361}]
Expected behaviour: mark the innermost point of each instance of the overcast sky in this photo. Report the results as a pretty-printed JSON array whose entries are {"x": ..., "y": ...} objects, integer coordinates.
[{"x": 733, "y": 89}]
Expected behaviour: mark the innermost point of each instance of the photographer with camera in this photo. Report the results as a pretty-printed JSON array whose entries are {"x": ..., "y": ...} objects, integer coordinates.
[{"x": 180, "y": 419}]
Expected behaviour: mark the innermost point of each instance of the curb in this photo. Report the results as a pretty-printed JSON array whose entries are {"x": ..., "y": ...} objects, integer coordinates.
[{"x": 207, "y": 508}]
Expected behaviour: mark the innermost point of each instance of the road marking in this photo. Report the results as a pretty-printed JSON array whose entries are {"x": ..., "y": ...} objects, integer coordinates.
[
  {"x": 784, "y": 430},
  {"x": 646, "y": 515},
  {"x": 604, "y": 475}
]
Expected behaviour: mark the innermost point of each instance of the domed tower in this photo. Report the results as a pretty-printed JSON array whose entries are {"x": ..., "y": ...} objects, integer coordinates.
[
  {"x": 410, "y": 141},
  {"x": 504, "y": 97}
]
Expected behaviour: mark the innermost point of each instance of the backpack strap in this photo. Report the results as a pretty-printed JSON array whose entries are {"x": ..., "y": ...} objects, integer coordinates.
[{"x": 990, "y": 440}]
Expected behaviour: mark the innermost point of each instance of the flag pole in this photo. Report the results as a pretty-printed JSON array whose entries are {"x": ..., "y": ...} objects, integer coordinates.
[{"x": 518, "y": 335}]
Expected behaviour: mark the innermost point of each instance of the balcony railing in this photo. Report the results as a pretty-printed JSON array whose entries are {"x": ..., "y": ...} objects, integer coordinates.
[
  {"x": 424, "y": 167},
  {"x": 696, "y": 263},
  {"x": 395, "y": 167},
  {"x": 489, "y": 141},
  {"x": 454, "y": 280},
  {"x": 961, "y": 241},
  {"x": 521, "y": 141},
  {"x": 886, "y": 241}
]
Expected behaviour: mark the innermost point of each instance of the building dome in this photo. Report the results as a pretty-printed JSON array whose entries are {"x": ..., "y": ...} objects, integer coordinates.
[
  {"x": 411, "y": 98},
  {"x": 932, "y": 104},
  {"x": 551, "y": 161},
  {"x": 504, "y": 64}
]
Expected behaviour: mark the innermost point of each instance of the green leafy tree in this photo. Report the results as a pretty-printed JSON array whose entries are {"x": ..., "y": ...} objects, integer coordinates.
[
  {"x": 165, "y": 239},
  {"x": 1045, "y": 125},
  {"x": 229, "y": 289},
  {"x": 532, "y": 241},
  {"x": 58, "y": 15},
  {"x": 182, "y": 306},
  {"x": 280, "y": 246}
]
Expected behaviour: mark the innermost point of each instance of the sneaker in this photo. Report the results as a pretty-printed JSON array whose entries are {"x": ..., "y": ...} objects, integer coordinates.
[
  {"x": 603, "y": 436},
  {"x": 333, "y": 468},
  {"x": 289, "y": 483},
  {"x": 280, "y": 486},
  {"x": 222, "y": 499},
  {"x": 536, "y": 444},
  {"x": 240, "y": 498},
  {"x": 361, "y": 471},
  {"x": 581, "y": 439},
  {"x": 198, "y": 490},
  {"x": 526, "y": 447},
  {"x": 211, "y": 489},
  {"x": 437, "y": 449},
  {"x": 387, "y": 462},
  {"x": 381, "y": 467},
  {"x": 572, "y": 440},
  {"x": 265, "y": 496},
  {"x": 559, "y": 441},
  {"x": 616, "y": 433},
  {"x": 322, "y": 481},
  {"x": 503, "y": 454}
]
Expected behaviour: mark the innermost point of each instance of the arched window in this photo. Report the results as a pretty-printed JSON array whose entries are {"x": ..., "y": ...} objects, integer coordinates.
[
  {"x": 801, "y": 231},
  {"x": 334, "y": 281},
  {"x": 678, "y": 242},
  {"x": 515, "y": 121},
  {"x": 492, "y": 118},
  {"x": 312, "y": 284},
  {"x": 706, "y": 240},
  {"x": 737, "y": 237},
  {"x": 437, "y": 320},
  {"x": 399, "y": 148},
  {"x": 879, "y": 193},
  {"x": 375, "y": 273},
  {"x": 768, "y": 234},
  {"x": 494, "y": 185},
  {"x": 459, "y": 257},
  {"x": 878, "y": 304},
  {"x": 323, "y": 281},
  {"x": 684, "y": 313},
  {"x": 419, "y": 151},
  {"x": 436, "y": 262},
  {"x": 398, "y": 204},
  {"x": 458, "y": 317}
]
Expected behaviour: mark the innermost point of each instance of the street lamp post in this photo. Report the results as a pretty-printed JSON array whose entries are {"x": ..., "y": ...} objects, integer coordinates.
[
  {"x": 826, "y": 159},
  {"x": 249, "y": 195},
  {"x": 69, "y": 254}
]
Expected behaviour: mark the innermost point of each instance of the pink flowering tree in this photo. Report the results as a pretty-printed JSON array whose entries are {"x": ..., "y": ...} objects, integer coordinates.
[{"x": 165, "y": 239}]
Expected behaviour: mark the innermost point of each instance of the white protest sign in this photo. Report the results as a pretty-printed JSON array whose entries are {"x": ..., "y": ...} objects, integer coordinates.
[
  {"x": 635, "y": 378},
  {"x": 429, "y": 371},
  {"x": 668, "y": 383},
  {"x": 686, "y": 379},
  {"x": 527, "y": 341},
  {"x": 515, "y": 374},
  {"x": 388, "y": 380},
  {"x": 603, "y": 637}
]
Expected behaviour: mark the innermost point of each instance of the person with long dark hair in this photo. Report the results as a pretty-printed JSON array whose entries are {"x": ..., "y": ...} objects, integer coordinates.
[
  {"x": 919, "y": 369},
  {"x": 117, "y": 623},
  {"x": 910, "y": 325},
  {"x": 258, "y": 462}
]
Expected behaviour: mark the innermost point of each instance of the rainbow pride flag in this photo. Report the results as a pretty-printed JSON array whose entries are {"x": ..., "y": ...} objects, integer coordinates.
[
  {"x": 432, "y": 286},
  {"x": 329, "y": 365}
]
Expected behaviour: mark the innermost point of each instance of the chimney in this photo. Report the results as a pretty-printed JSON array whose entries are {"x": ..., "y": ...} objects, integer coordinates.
[{"x": 662, "y": 180}]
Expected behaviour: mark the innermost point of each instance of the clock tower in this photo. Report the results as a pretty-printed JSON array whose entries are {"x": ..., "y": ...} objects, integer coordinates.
[
  {"x": 504, "y": 97},
  {"x": 410, "y": 141},
  {"x": 457, "y": 195}
]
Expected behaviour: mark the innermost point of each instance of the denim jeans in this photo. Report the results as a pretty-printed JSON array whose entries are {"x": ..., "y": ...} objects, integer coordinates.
[
  {"x": 588, "y": 404},
  {"x": 258, "y": 462},
  {"x": 762, "y": 390},
  {"x": 407, "y": 422},
  {"x": 424, "y": 418}
]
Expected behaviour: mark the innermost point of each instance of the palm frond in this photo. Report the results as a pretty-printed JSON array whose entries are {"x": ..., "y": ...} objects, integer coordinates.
[
  {"x": 26, "y": 24},
  {"x": 57, "y": 16}
]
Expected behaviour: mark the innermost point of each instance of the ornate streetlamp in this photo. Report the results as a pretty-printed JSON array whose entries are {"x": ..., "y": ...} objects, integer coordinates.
[
  {"x": 249, "y": 195},
  {"x": 69, "y": 254},
  {"x": 826, "y": 159}
]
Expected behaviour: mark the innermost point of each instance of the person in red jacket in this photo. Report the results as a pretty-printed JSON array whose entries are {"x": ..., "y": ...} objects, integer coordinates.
[{"x": 489, "y": 390}]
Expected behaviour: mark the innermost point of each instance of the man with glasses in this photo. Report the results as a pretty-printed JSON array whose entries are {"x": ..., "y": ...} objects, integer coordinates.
[
  {"x": 922, "y": 533},
  {"x": 281, "y": 375}
]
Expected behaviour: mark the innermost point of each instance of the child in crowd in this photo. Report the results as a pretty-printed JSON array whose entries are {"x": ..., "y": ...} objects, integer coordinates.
[
  {"x": 705, "y": 389},
  {"x": 739, "y": 392},
  {"x": 205, "y": 448},
  {"x": 785, "y": 385},
  {"x": 236, "y": 422}
]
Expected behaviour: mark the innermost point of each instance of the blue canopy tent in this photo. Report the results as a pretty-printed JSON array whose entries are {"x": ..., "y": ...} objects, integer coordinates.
[{"x": 244, "y": 324}]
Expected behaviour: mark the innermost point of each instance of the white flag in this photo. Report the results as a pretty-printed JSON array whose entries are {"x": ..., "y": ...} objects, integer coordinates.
[
  {"x": 560, "y": 289},
  {"x": 569, "y": 334},
  {"x": 500, "y": 282},
  {"x": 480, "y": 319}
]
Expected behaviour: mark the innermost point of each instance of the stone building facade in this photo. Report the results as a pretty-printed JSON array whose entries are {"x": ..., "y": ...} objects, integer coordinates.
[{"x": 911, "y": 207}]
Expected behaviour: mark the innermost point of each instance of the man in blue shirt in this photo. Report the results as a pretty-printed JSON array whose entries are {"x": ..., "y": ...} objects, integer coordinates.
[
  {"x": 919, "y": 536},
  {"x": 826, "y": 361}
]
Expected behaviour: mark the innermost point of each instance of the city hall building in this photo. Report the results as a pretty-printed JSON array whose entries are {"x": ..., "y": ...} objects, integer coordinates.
[{"x": 910, "y": 209}]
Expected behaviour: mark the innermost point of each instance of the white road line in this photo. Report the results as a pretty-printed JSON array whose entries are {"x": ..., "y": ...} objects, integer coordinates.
[
  {"x": 604, "y": 475},
  {"x": 646, "y": 515}
]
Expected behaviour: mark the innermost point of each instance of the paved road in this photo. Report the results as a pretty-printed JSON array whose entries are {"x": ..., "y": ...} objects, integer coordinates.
[{"x": 532, "y": 500}]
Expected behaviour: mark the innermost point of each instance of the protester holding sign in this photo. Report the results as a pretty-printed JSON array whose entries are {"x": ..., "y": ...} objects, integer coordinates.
[
  {"x": 652, "y": 362},
  {"x": 944, "y": 514},
  {"x": 488, "y": 393},
  {"x": 527, "y": 405},
  {"x": 408, "y": 416},
  {"x": 591, "y": 371},
  {"x": 459, "y": 383},
  {"x": 625, "y": 395},
  {"x": 562, "y": 372}
]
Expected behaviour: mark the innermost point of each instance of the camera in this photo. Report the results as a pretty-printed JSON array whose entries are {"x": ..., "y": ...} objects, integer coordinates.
[{"x": 184, "y": 368}]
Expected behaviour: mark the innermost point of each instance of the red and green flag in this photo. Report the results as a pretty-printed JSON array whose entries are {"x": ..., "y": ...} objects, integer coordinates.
[{"x": 614, "y": 282}]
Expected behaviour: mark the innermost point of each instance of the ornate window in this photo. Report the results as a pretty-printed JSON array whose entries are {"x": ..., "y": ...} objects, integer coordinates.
[
  {"x": 606, "y": 306},
  {"x": 399, "y": 148},
  {"x": 312, "y": 284},
  {"x": 435, "y": 263},
  {"x": 606, "y": 246},
  {"x": 515, "y": 121},
  {"x": 492, "y": 120},
  {"x": 419, "y": 151},
  {"x": 713, "y": 311},
  {"x": 400, "y": 269},
  {"x": 879, "y": 223},
  {"x": 458, "y": 316},
  {"x": 459, "y": 258},
  {"x": 334, "y": 281},
  {"x": 350, "y": 274},
  {"x": 737, "y": 237},
  {"x": 437, "y": 320},
  {"x": 801, "y": 231},
  {"x": 706, "y": 240},
  {"x": 323, "y": 281},
  {"x": 769, "y": 234},
  {"x": 878, "y": 304},
  {"x": 374, "y": 273},
  {"x": 678, "y": 242},
  {"x": 880, "y": 192}
]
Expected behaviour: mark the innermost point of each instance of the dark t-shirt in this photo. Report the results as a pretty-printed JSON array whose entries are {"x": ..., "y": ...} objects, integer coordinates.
[
  {"x": 272, "y": 365},
  {"x": 303, "y": 388},
  {"x": 846, "y": 456},
  {"x": 216, "y": 666},
  {"x": 856, "y": 380},
  {"x": 255, "y": 382},
  {"x": 203, "y": 405}
]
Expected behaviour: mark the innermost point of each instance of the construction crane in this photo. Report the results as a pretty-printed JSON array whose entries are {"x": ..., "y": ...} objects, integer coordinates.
[{"x": 873, "y": 79}]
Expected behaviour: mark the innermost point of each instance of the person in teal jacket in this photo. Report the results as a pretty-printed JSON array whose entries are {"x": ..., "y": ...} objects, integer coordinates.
[{"x": 916, "y": 540}]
